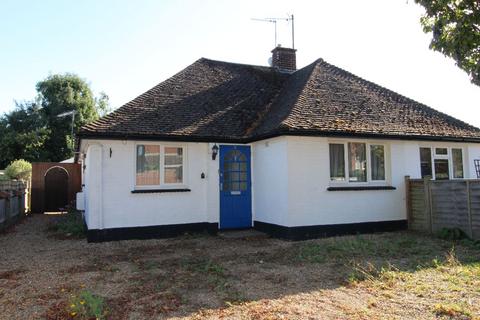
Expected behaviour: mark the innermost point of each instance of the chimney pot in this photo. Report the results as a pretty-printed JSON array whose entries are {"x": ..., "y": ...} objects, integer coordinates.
[{"x": 284, "y": 59}]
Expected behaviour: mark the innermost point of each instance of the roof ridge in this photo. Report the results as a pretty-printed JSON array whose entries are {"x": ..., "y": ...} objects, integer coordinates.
[
  {"x": 312, "y": 67},
  {"x": 275, "y": 100},
  {"x": 236, "y": 63}
]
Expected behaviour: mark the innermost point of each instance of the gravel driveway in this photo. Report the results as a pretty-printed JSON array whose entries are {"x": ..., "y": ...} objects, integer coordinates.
[{"x": 202, "y": 276}]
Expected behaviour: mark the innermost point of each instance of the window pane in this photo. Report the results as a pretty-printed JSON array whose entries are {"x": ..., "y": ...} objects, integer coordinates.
[
  {"x": 441, "y": 169},
  {"x": 357, "y": 162},
  {"x": 457, "y": 160},
  {"x": 441, "y": 151},
  {"x": 235, "y": 176},
  {"x": 173, "y": 156},
  {"x": 173, "y": 165},
  {"x": 337, "y": 162},
  {"x": 148, "y": 165},
  {"x": 231, "y": 166},
  {"x": 174, "y": 174},
  {"x": 377, "y": 157},
  {"x": 426, "y": 162}
]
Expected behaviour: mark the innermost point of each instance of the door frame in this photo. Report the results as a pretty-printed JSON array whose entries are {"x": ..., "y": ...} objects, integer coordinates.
[
  {"x": 45, "y": 186},
  {"x": 225, "y": 148}
]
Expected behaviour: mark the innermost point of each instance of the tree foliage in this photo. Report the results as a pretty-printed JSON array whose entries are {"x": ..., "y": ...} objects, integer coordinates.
[
  {"x": 455, "y": 26},
  {"x": 19, "y": 169},
  {"x": 62, "y": 93},
  {"x": 34, "y": 132}
]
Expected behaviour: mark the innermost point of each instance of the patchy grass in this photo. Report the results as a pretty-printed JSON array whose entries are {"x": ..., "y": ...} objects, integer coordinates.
[
  {"x": 452, "y": 311},
  {"x": 87, "y": 305},
  {"x": 342, "y": 249},
  {"x": 398, "y": 275},
  {"x": 69, "y": 225},
  {"x": 216, "y": 277}
]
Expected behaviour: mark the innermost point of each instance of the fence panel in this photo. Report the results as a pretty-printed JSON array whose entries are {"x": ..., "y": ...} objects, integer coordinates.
[
  {"x": 13, "y": 212},
  {"x": 3, "y": 211},
  {"x": 434, "y": 205},
  {"x": 12, "y": 202},
  {"x": 475, "y": 208},
  {"x": 449, "y": 205},
  {"x": 417, "y": 220}
]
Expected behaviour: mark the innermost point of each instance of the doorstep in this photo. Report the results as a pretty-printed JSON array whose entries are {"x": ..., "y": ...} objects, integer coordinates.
[{"x": 242, "y": 234}]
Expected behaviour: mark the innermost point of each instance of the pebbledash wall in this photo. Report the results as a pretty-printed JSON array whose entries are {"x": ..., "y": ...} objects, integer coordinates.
[{"x": 290, "y": 181}]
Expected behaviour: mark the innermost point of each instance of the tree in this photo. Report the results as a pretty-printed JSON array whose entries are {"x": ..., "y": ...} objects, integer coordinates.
[
  {"x": 34, "y": 132},
  {"x": 455, "y": 26},
  {"x": 103, "y": 104},
  {"x": 23, "y": 133},
  {"x": 61, "y": 93},
  {"x": 19, "y": 169}
]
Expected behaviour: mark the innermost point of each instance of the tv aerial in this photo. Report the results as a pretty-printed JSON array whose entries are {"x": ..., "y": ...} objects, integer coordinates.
[{"x": 275, "y": 20}]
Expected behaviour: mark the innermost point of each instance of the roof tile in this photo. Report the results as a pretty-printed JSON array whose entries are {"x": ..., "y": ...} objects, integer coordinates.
[{"x": 212, "y": 100}]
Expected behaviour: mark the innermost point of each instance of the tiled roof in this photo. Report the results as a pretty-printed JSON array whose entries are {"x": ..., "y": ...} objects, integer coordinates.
[{"x": 220, "y": 101}]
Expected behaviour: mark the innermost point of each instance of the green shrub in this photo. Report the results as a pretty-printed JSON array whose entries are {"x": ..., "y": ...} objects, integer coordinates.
[
  {"x": 69, "y": 225},
  {"x": 452, "y": 234},
  {"x": 87, "y": 305},
  {"x": 19, "y": 169}
]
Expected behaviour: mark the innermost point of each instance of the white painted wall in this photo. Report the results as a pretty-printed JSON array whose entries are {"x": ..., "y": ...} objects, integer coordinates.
[
  {"x": 309, "y": 202},
  {"x": 270, "y": 181},
  {"x": 473, "y": 154},
  {"x": 213, "y": 185},
  {"x": 114, "y": 178},
  {"x": 290, "y": 177},
  {"x": 93, "y": 191}
]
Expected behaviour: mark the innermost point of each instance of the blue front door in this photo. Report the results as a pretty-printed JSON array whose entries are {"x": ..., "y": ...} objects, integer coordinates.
[{"x": 235, "y": 187}]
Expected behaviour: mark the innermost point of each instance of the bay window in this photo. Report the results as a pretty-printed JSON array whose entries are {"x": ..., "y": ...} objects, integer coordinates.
[
  {"x": 158, "y": 165},
  {"x": 366, "y": 162}
]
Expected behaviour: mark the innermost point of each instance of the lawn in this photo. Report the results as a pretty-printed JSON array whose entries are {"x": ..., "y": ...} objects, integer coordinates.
[{"x": 401, "y": 275}]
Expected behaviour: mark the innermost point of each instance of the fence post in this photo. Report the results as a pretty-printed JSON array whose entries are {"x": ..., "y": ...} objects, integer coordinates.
[
  {"x": 407, "y": 200},
  {"x": 469, "y": 210},
  {"x": 428, "y": 203}
]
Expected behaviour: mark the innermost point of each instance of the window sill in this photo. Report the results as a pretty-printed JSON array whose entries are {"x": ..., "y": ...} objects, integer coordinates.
[
  {"x": 160, "y": 190},
  {"x": 360, "y": 188}
]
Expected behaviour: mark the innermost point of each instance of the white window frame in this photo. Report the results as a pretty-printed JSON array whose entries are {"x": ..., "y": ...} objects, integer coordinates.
[
  {"x": 463, "y": 163},
  {"x": 447, "y": 156},
  {"x": 369, "y": 181},
  {"x": 162, "y": 184}
]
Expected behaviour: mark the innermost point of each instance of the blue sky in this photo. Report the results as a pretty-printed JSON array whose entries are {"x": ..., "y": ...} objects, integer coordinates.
[{"x": 126, "y": 47}]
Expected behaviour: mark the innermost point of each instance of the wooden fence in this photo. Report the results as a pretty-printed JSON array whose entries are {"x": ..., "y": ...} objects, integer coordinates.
[
  {"x": 436, "y": 204},
  {"x": 14, "y": 202}
]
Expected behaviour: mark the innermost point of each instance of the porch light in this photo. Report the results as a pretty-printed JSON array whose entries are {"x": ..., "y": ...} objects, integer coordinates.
[{"x": 214, "y": 151}]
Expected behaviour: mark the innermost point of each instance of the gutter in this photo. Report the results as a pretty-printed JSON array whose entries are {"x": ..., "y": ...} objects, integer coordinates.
[{"x": 274, "y": 134}]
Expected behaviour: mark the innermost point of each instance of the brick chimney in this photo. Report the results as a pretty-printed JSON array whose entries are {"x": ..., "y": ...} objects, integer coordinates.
[{"x": 284, "y": 59}]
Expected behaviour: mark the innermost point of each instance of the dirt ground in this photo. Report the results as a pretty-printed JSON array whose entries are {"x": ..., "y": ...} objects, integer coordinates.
[{"x": 385, "y": 276}]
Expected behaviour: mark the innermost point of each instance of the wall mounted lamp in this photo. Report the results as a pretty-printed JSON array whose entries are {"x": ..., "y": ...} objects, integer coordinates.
[{"x": 214, "y": 151}]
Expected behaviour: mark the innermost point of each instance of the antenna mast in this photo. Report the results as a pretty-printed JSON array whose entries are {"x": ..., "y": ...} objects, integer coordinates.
[{"x": 274, "y": 21}]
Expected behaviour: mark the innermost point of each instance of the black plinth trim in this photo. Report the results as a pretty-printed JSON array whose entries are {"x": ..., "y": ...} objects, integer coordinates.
[{"x": 321, "y": 231}]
